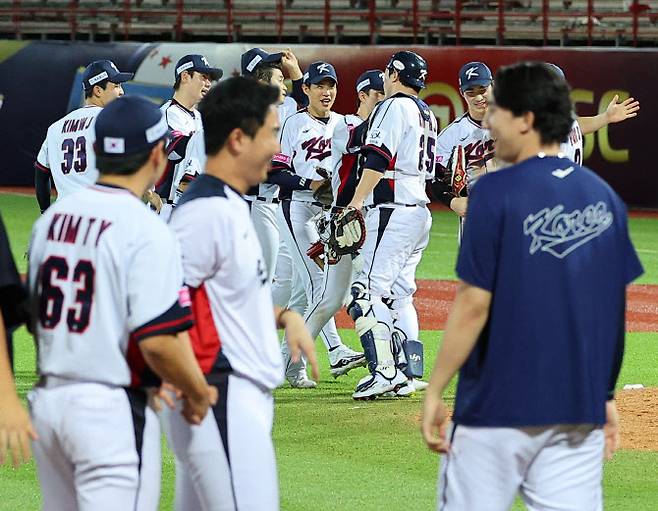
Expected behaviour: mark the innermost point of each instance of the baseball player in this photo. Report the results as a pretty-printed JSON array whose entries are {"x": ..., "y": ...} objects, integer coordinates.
[
  {"x": 108, "y": 303},
  {"x": 398, "y": 152},
  {"x": 305, "y": 151},
  {"x": 614, "y": 113},
  {"x": 16, "y": 430},
  {"x": 264, "y": 198},
  {"x": 467, "y": 133},
  {"x": 67, "y": 154},
  {"x": 345, "y": 146},
  {"x": 228, "y": 461},
  {"x": 531, "y": 268},
  {"x": 193, "y": 77}
]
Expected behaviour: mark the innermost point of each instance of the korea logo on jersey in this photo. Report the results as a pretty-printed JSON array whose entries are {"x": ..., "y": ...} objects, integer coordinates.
[{"x": 556, "y": 232}]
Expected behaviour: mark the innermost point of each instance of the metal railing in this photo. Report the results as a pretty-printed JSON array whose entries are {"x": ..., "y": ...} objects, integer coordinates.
[{"x": 328, "y": 21}]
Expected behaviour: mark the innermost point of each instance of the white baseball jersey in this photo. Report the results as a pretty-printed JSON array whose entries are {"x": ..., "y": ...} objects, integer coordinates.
[
  {"x": 476, "y": 141},
  {"x": 231, "y": 297},
  {"x": 406, "y": 138},
  {"x": 104, "y": 269},
  {"x": 268, "y": 190},
  {"x": 183, "y": 124},
  {"x": 573, "y": 147},
  {"x": 67, "y": 153},
  {"x": 344, "y": 160},
  {"x": 305, "y": 146}
]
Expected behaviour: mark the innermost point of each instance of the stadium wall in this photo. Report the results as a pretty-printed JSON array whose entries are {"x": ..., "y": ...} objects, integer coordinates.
[{"x": 40, "y": 82}]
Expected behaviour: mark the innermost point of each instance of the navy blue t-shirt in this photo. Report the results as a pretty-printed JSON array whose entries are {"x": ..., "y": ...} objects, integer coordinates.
[{"x": 549, "y": 239}]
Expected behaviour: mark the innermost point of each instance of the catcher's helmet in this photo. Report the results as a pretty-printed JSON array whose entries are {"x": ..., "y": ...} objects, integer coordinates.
[{"x": 411, "y": 68}]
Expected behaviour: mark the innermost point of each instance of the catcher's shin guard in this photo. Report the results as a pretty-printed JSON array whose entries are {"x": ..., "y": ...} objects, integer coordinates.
[
  {"x": 375, "y": 336},
  {"x": 413, "y": 351}
]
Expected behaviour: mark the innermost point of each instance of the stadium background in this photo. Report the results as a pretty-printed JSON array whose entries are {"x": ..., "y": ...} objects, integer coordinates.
[{"x": 333, "y": 453}]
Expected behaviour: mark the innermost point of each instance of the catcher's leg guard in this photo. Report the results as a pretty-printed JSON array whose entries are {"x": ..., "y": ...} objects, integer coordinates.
[
  {"x": 375, "y": 335},
  {"x": 413, "y": 351}
]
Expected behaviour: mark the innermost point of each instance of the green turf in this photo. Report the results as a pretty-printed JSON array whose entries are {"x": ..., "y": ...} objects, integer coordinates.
[
  {"x": 19, "y": 212},
  {"x": 335, "y": 453}
]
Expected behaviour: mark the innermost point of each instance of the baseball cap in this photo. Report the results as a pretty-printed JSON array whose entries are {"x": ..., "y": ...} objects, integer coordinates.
[
  {"x": 101, "y": 70},
  {"x": 129, "y": 125},
  {"x": 372, "y": 79},
  {"x": 557, "y": 69},
  {"x": 318, "y": 71},
  {"x": 197, "y": 63},
  {"x": 255, "y": 56},
  {"x": 474, "y": 74}
]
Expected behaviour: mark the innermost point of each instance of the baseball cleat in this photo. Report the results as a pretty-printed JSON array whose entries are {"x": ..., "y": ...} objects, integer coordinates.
[
  {"x": 375, "y": 385},
  {"x": 343, "y": 359},
  {"x": 420, "y": 385},
  {"x": 301, "y": 381}
]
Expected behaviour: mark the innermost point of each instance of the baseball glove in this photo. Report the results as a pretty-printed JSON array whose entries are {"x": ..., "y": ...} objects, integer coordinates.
[
  {"x": 457, "y": 171},
  {"x": 348, "y": 232},
  {"x": 324, "y": 194}
]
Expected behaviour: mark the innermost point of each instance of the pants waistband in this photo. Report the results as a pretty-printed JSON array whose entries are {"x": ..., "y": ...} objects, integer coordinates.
[
  {"x": 267, "y": 200},
  {"x": 392, "y": 205},
  {"x": 312, "y": 203},
  {"x": 50, "y": 382}
]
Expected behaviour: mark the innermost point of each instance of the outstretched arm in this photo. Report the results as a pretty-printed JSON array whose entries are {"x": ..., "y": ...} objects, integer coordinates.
[{"x": 616, "y": 112}]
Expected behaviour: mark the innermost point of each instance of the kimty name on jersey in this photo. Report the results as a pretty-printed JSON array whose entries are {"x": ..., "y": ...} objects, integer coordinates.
[
  {"x": 77, "y": 124},
  {"x": 78, "y": 229},
  {"x": 317, "y": 148}
]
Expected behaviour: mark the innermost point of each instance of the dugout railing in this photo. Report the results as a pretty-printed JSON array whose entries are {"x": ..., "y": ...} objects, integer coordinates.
[{"x": 563, "y": 22}]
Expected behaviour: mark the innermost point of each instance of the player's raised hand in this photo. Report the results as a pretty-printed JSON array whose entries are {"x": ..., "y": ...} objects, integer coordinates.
[
  {"x": 618, "y": 112},
  {"x": 290, "y": 65},
  {"x": 16, "y": 430},
  {"x": 434, "y": 423}
]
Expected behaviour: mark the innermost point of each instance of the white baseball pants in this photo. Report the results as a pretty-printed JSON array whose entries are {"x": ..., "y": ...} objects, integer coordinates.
[
  {"x": 88, "y": 452},
  {"x": 227, "y": 463},
  {"x": 556, "y": 468},
  {"x": 263, "y": 217}
]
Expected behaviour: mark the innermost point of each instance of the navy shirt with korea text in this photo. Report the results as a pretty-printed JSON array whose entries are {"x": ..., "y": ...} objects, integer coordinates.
[{"x": 549, "y": 239}]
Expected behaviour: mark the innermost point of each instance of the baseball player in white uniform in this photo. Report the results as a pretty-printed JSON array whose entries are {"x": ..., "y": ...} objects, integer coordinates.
[
  {"x": 107, "y": 288},
  {"x": 398, "y": 152},
  {"x": 264, "y": 198},
  {"x": 345, "y": 146},
  {"x": 305, "y": 151},
  {"x": 193, "y": 77},
  {"x": 67, "y": 154},
  {"x": 228, "y": 462}
]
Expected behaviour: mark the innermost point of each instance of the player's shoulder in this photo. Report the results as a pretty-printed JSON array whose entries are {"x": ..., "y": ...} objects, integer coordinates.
[
  {"x": 206, "y": 192},
  {"x": 457, "y": 125},
  {"x": 296, "y": 119}
]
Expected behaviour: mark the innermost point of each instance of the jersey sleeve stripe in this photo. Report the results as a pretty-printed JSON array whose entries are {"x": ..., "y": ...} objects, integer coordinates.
[
  {"x": 378, "y": 150},
  {"x": 41, "y": 167},
  {"x": 176, "y": 319}
]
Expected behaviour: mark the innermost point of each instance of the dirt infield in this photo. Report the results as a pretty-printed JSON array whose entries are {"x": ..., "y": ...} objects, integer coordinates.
[{"x": 434, "y": 298}]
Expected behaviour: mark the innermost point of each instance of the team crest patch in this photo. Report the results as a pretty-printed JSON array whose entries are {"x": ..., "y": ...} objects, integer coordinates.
[
  {"x": 375, "y": 136},
  {"x": 559, "y": 233}
]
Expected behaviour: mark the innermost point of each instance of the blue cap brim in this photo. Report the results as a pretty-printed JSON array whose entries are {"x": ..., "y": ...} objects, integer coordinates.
[
  {"x": 122, "y": 77},
  {"x": 318, "y": 79},
  {"x": 214, "y": 72},
  {"x": 476, "y": 83}
]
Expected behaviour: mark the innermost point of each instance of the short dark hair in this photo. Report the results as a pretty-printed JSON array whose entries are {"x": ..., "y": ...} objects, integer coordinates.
[
  {"x": 238, "y": 102},
  {"x": 264, "y": 71},
  {"x": 120, "y": 164},
  {"x": 535, "y": 87},
  {"x": 90, "y": 92},
  {"x": 178, "y": 78}
]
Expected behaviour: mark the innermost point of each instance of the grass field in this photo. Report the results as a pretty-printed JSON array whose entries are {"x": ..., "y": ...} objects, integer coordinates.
[{"x": 338, "y": 454}]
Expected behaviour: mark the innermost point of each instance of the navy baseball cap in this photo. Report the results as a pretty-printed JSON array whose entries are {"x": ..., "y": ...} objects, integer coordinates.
[
  {"x": 101, "y": 70},
  {"x": 318, "y": 71},
  {"x": 197, "y": 63},
  {"x": 129, "y": 125},
  {"x": 251, "y": 59},
  {"x": 474, "y": 74},
  {"x": 557, "y": 69},
  {"x": 373, "y": 79}
]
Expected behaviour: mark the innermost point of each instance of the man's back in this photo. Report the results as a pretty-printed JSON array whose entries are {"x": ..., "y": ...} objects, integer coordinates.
[
  {"x": 552, "y": 247},
  {"x": 91, "y": 258},
  {"x": 68, "y": 152}
]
